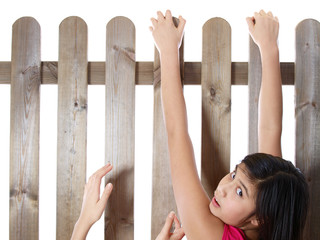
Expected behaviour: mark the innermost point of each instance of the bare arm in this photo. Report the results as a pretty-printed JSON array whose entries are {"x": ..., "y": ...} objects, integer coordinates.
[
  {"x": 191, "y": 199},
  {"x": 265, "y": 34}
]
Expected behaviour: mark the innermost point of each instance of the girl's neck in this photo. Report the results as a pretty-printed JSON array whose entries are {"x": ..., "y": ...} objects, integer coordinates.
[{"x": 252, "y": 234}]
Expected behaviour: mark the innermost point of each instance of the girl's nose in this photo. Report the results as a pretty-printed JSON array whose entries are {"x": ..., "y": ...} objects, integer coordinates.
[{"x": 223, "y": 189}]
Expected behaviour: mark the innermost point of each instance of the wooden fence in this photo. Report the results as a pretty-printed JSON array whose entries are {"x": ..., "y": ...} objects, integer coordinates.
[{"x": 120, "y": 73}]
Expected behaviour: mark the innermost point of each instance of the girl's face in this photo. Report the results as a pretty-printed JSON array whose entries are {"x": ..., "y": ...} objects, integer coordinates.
[{"x": 234, "y": 199}]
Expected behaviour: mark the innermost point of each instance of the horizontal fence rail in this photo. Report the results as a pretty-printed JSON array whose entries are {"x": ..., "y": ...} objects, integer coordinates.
[
  {"x": 120, "y": 73},
  {"x": 144, "y": 73}
]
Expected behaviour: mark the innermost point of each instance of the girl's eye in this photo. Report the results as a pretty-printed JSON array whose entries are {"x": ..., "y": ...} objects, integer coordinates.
[
  {"x": 233, "y": 175},
  {"x": 239, "y": 192}
]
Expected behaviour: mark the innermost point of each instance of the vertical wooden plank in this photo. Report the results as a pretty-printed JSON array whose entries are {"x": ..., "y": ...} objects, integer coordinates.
[
  {"x": 72, "y": 123},
  {"x": 254, "y": 83},
  {"x": 216, "y": 102},
  {"x": 162, "y": 192},
  {"x": 120, "y": 125},
  {"x": 307, "y": 97},
  {"x": 24, "y": 135}
]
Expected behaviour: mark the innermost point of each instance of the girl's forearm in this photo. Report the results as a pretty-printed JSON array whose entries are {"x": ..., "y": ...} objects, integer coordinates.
[
  {"x": 173, "y": 103},
  {"x": 80, "y": 231},
  {"x": 270, "y": 100}
]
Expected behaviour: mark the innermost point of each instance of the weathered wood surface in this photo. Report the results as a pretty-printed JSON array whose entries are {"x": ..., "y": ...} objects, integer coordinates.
[
  {"x": 24, "y": 134},
  {"x": 120, "y": 127},
  {"x": 254, "y": 83},
  {"x": 216, "y": 103},
  {"x": 72, "y": 123},
  {"x": 307, "y": 97},
  {"x": 162, "y": 192},
  {"x": 144, "y": 73}
]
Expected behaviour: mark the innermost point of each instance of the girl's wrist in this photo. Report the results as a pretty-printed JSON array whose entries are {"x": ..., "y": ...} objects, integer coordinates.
[
  {"x": 269, "y": 47},
  {"x": 169, "y": 56},
  {"x": 167, "y": 53},
  {"x": 269, "y": 50},
  {"x": 81, "y": 229}
]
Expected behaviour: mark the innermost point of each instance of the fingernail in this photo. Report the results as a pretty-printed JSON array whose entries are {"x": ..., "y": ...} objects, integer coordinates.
[
  {"x": 109, "y": 165},
  {"x": 171, "y": 214},
  {"x": 109, "y": 186}
]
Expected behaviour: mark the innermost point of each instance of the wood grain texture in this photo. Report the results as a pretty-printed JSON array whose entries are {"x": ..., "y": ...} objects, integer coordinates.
[
  {"x": 120, "y": 126},
  {"x": 216, "y": 102},
  {"x": 254, "y": 83},
  {"x": 307, "y": 97},
  {"x": 144, "y": 73},
  {"x": 163, "y": 200},
  {"x": 5, "y": 72},
  {"x": 72, "y": 123},
  {"x": 24, "y": 134}
]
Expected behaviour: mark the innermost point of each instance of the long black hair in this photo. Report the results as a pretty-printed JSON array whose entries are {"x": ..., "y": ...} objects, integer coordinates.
[{"x": 282, "y": 196}]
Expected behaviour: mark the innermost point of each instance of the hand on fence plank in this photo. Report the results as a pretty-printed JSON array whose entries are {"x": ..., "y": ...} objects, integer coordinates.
[
  {"x": 165, "y": 233},
  {"x": 264, "y": 29},
  {"x": 166, "y": 36},
  {"x": 93, "y": 205}
]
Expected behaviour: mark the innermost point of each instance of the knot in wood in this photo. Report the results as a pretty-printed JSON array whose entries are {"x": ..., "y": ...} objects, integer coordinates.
[
  {"x": 79, "y": 105},
  {"x": 127, "y": 52},
  {"x": 212, "y": 93},
  {"x": 32, "y": 74}
]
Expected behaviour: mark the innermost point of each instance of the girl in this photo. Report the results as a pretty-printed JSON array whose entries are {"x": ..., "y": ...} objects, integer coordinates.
[
  {"x": 93, "y": 206},
  {"x": 265, "y": 197}
]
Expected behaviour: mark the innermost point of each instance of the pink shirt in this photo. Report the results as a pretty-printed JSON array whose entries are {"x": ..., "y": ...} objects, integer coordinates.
[{"x": 232, "y": 233}]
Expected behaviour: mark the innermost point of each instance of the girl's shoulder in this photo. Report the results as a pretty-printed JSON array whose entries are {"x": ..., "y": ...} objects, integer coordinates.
[{"x": 232, "y": 233}]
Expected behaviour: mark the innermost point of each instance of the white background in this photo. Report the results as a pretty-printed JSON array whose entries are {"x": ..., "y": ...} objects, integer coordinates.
[{"x": 97, "y": 14}]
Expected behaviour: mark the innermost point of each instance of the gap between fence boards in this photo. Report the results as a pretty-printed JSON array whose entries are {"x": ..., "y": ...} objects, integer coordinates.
[{"x": 144, "y": 73}]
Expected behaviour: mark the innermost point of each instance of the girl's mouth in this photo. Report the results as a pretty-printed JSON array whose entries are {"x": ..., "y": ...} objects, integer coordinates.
[{"x": 215, "y": 202}]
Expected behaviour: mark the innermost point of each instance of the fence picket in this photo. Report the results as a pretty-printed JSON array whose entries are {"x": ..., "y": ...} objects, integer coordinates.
[
  {"x": 120, "y": 125},
  {"x": 254, "y": 83},
  {"x": 24, "y": 135},
  {"x": 307, "y": 102},
  {"x": 72, "y": 123},
  {"x": 216, "y": 102}
]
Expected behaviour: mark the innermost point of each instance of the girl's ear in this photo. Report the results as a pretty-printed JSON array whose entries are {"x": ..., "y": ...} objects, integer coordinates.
[{"x": 255, "y": 222}]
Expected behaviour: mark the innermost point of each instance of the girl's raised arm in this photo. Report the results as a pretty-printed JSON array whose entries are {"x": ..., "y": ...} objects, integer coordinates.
[
  {"x": 264, "y": 29},
  {"x": 191, "y": 199}
]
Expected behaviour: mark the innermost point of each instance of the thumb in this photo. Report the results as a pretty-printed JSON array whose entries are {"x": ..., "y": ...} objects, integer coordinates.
[
  {"x": 250, "y": 23},
  {"x": 105, "y": 195},
  {"x": 182, "y": 23},
  {"x": 167, "y": 226},
  {"x": 178, "y": 234}
]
